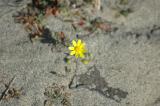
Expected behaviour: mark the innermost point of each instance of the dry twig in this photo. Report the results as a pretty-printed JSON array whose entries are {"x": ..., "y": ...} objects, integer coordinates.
[{"x": 7, "y": 88}]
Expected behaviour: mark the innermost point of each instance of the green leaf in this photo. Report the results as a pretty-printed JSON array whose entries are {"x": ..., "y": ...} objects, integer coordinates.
[{"x": 84, "y": 61}]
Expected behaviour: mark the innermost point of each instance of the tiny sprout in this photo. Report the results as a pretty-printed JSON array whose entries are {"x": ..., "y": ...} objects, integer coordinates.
[{"x": 66, "y": 60}]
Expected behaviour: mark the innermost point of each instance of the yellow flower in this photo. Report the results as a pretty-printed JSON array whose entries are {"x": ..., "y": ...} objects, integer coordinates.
[{"x": 77, "y": 49}]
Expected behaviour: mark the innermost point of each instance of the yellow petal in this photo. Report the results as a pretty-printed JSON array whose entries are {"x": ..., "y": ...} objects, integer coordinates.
[
  {"x": 72, "y": 53},
  {"x": 74, "y": 43},
  {"x": 79, "y": 42},
  {"x": 82, "y": 45},
  {"x": 71, "y": 48}
]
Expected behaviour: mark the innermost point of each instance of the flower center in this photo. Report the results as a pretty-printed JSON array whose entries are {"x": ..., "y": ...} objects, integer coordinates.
[{"x": 77, "y": 49}]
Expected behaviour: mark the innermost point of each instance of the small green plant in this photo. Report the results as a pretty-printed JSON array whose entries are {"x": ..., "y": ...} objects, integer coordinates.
[
  {"x": 123, "y": 7},
  {"x": 126, "y": 12},
  {"x": 56, "y": 94},
  {"x": 123, "y": 2}
]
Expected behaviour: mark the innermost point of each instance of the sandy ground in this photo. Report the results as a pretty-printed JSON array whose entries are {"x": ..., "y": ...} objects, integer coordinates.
[{"x": 125, "y": 70}]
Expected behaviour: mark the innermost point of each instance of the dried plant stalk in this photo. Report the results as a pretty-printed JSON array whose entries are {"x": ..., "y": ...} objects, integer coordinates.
[{"x": 97, "y": 4}]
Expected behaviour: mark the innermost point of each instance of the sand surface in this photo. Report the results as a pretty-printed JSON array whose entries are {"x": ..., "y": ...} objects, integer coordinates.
[{"x": 125, "y": 70}]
